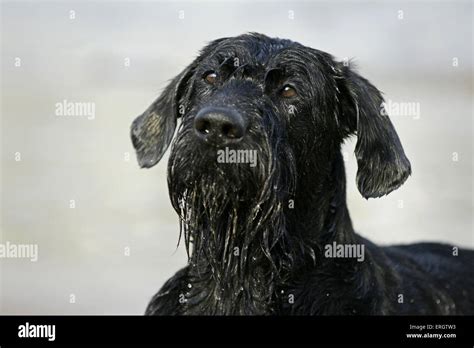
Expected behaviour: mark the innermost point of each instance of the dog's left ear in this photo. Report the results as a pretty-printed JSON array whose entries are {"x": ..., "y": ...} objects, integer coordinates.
[
  {"x": 152, "y": 131},
  {"x": 382, "y": 164}
]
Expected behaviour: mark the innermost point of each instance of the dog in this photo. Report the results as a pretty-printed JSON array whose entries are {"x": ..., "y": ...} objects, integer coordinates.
[{"x": 275, "y": 237}]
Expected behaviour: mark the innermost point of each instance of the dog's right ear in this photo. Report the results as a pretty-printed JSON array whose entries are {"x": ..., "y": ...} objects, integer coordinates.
[{"x": 152, "y": 131}]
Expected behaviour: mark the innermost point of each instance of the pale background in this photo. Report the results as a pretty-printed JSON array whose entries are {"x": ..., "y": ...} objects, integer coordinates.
[{"x": 81, "y": 250}]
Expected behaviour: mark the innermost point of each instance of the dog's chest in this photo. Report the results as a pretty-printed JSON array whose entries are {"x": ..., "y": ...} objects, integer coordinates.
[{"x": 204, "y": 295}]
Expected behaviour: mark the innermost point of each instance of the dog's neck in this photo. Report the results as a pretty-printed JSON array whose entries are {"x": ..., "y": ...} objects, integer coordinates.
[
  {"x": 324, "y": 190},
  {"x": 239, "y": 269}
]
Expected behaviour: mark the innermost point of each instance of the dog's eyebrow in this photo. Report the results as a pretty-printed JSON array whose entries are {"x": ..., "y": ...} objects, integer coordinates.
[
  {"x": 280, "y": 73},
  {"x": 272, "y": 70},
  {"x": 227, "y": 61},
  {"x": 239, "y": 68}
]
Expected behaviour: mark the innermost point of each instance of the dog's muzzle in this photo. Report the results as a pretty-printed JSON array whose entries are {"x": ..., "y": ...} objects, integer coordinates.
[{"x": 219, "y": 126}]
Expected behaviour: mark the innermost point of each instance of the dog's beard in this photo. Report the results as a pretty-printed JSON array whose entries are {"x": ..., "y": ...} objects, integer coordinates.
[{"x": 233, "y": 224}]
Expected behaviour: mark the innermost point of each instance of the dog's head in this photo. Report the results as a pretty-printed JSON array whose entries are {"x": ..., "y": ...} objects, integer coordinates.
[{"x": 289, "y": 103}]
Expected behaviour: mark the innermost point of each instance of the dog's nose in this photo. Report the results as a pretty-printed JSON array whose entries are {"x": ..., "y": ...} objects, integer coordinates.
[{"x": 219, "y": 126}]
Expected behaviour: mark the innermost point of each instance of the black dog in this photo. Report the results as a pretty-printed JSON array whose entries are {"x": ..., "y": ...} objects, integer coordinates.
[{"x": 270, "y": 232}]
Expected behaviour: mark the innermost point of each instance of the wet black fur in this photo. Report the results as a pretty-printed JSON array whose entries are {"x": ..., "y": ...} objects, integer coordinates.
[{"x": 249, "y": 251}]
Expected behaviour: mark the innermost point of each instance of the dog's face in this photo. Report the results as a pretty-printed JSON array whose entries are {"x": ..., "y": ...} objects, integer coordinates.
[{"x": 278, "y": 107}]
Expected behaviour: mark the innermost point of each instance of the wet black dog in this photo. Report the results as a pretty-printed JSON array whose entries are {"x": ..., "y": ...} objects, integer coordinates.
[{"x": 257, "y": 178}]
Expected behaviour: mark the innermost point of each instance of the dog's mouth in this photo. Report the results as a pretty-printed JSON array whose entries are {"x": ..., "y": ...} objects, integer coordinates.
[{"x": 220, "y": 173}]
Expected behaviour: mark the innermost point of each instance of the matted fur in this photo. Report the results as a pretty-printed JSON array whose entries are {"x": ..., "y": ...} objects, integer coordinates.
[{"x": 255, "y": 236}]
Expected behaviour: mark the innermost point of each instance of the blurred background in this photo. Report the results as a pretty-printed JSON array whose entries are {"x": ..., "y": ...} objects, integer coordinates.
[{"x": 106, "y": 231}]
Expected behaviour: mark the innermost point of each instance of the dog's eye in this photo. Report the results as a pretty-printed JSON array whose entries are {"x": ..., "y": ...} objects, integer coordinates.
[
  {"x": 288, "y": 91},
  {"x": 210, "y": 77}
]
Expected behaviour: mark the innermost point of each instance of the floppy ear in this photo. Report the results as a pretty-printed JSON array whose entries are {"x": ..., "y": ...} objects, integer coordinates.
[
  {"x": 152, "y": 131},
  {"x": 382, "y": 164}
]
